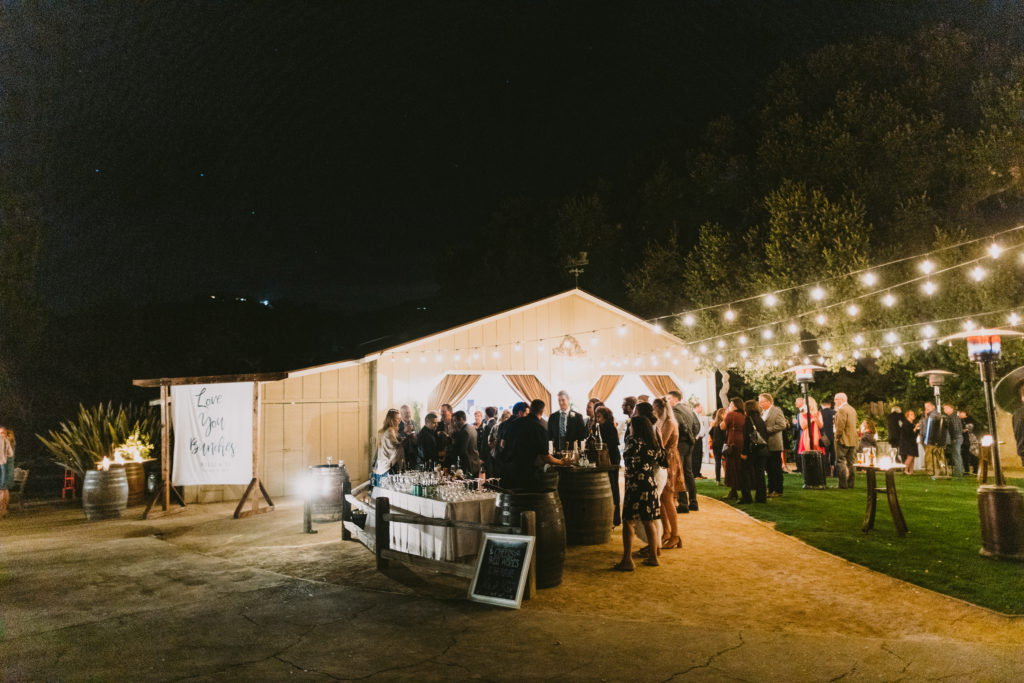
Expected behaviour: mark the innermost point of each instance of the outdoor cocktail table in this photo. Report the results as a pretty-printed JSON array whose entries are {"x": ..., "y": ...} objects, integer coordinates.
[{"x": 890, "y": 493}]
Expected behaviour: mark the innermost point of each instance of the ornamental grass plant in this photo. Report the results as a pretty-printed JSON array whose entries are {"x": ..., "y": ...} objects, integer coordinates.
[
  {"x": 95, "y": 433},
  {"x": 940, "y": 552}
]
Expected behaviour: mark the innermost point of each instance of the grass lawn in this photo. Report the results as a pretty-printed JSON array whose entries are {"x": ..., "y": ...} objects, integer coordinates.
[{"x": 940, "y": 551}]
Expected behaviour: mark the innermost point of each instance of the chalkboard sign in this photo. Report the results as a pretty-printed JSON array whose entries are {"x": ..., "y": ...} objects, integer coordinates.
[{"x": 501, "y": 569}]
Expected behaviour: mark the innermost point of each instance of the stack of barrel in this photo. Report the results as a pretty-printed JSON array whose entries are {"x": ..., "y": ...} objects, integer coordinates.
[{"x": 572, "y": 506}]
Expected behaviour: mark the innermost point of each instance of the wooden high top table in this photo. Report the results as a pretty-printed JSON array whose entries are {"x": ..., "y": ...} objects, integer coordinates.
[{"x": 890, "y": 494}]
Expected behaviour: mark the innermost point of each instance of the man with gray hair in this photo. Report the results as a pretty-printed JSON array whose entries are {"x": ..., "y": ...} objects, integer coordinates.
[
  {"x": 565, "y": 426},
  {"x": 846, "y": 441},
  {"x": 775, "y": 424}
]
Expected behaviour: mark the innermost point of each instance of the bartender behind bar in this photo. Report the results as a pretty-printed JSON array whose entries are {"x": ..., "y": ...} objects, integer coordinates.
[{"x": 526, "y": 448}]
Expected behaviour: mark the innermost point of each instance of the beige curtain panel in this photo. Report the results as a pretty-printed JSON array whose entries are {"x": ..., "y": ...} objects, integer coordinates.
[
  {"x": 451, "y": 390},
  {"x": 604, "y": 387},
  {"x": 659, "y": 384},
  {"x": 529, "y": 388}
]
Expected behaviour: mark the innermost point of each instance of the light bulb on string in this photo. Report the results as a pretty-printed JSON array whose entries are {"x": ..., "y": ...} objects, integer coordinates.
[
  {"x": 926, "y": 344},
  {"x": 622, "y": 330},
  {"x": 928, "y": 331},
  {"x": 927, "y": 267},
  {"x": 898, "y": 351},
  {"x": 969, "y": 325},
  {"x": 685, "y": 352},
  {"x": 742, "y": 339},
  {"x": 817, "y": 293},
  {"x": 792, "y": 328},
  {"x": 888, "y": 300},
  {"x": 747, "y": 365},
  {"x": 891, "y": 337},
  {"x": 827, "y": 345},
  {"x": 720, "y": 343},
  {"x": 852, "y": 310},
  {"x": 770, "y": 300},
  {"x": 929, "y": 287},
  {"x": 795, "y": 348},
  {"x": 1013, "y": 318},
  {"x": 994, "y": 250},
  {"x": 839, "y": 356},
  {"x": 807, "y": 361},
  {"x": 703, "y": 348},
  {"x": 657, "y": 328},
  {"x": 856, "y": 354},
  {"x": 789, "y": 362},
  {"x": 476, "y": 354},
  {"x": 820, "y": 319},
  {"x": 821, "y": 360},
  {"x": 869, "y": 279},
  {"x": 496, "y": 353},
  {"x": 743, "y": 353},
  {"x": 775, "y": 363},
  {"x": 518, "y": 347},
  {"x": 859, "y": 339},
  {"x": 767, "y": 333},
  {"x": 689, "y": 320},
  {"x": 730, "y": 315},
  {"x": 877, "y": 353},
  {"x": 768, "y": 353},
  {"x": 718, "y": 358},
  {"x": 457, "y": 357},
  {"x": 978, "y": 273}
]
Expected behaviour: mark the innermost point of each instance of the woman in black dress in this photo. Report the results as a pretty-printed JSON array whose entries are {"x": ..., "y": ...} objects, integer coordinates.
[
  {"x": 610, "y": 437},
  {"x": 752, "y": 461},
  {"x": 641, "y": 504},
  {"x": 717, "y": 434}
]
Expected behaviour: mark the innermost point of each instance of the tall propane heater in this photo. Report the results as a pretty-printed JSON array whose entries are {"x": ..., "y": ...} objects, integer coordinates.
[
  {"x": 1000, "y": 507},
  {"x": 934, "y": 426},
  {"x": 813, "y": 461}
]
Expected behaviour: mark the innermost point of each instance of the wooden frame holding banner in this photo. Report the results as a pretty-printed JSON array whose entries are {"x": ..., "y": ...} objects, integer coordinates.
[{"x": 165, "y": 491}]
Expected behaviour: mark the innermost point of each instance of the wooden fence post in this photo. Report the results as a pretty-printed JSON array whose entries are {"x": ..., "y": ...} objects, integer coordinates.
[
  {"x": 383, "y": 539},
  {"x": 346, "y": 510},
  {"x": 528, "y": 527}
]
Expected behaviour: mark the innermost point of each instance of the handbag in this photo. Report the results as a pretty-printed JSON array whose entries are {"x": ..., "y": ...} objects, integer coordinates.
[
  {"x": 824, "y": 441},
  {"x": 756, "y": 440}
]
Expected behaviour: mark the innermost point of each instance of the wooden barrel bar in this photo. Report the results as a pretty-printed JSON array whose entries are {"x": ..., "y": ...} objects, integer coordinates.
[
  {"x": 135, "y": 474},
  {"x": 550, "y": 546},
  {"x": 586, "y": 496},
  {"x": 105, "y": 493},
  {"x": 327, "y": 491}
]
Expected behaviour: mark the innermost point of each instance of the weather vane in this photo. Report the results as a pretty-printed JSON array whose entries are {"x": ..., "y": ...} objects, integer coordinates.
[{"x": 575, "y": 265}]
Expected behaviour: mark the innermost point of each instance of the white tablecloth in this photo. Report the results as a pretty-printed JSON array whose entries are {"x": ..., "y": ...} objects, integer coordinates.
[{"x": 435, "y": 542}]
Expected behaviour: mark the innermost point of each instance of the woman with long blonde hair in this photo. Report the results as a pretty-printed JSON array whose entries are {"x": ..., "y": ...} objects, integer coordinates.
[
  {"x": 668, "y": 430},
  {"x": 390, "y": 456},
  {"x": 6, "y": 467}
]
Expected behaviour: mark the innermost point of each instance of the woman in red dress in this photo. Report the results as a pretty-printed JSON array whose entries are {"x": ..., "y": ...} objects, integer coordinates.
[
  {"x": 735, "y": 418},
  {"x": 817, "y": 422}
]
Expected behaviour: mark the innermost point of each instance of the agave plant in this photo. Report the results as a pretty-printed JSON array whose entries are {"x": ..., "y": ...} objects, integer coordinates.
[{"x": 80, "y": 444}]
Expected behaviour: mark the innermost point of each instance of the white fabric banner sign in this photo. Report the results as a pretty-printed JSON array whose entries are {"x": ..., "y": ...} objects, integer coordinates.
[{"x": 212, "y": 434}]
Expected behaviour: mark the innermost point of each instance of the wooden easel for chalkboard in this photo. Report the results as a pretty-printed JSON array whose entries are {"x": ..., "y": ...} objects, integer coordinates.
[{"x": 165, "y": 490}]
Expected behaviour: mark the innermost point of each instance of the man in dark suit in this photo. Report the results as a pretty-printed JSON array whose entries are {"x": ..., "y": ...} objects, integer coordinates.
[
  {"x": 463, "y": 454},
  {"x": 565, "y": 426},
  {"x": 526, "y": 450},
  {"x": 828, "y": 429},
  {"x": 427, "y": 444}
]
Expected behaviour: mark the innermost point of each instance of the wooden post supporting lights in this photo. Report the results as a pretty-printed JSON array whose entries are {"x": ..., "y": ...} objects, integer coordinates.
[{"x": 1000, "y": 507}]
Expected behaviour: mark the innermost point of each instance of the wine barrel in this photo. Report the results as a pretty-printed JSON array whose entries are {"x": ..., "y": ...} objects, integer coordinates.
[
  {"x": 136, "y": 477},
  {"x": 327, "y": 491},
  {"x": 586, "y": 496},
  {"x": 550, "y": 545},
  {"x": 105, "y": 493},
  {"x": 548, "y": 481},
  {"x": 815, "y": 465}
]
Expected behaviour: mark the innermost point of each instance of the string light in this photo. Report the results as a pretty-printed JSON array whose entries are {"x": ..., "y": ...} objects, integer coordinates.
[
  {"x": 891, "y": 337},
  {"x": 517, "y": 347},
  {"x": 820, "y": 319},
  {"x": 925, "y": 344},
  {"x": 743, "y": 353},
  {"x": 496, "y": 353},
  {"x": 929, "y": 287},
  {"x": 721, "y": 344},
  {"x": 927, "y": 267},
  {"x": 994, "y": 250},
  {"x": 827, "y": 346},
  {"x": 689, "y": 320},
  {"x": 856, "y": 354},
  {"x": 730, "y": 315},
  {"x": 969, "y": 325},
  {"x": 869, "y": 278},
  {"x": 593, "y": 340},
  {"x": 795, "y": 348},
  {"x": 978, "y": 273},
  {"x": 540, "y": 347},
  {"x": 899, "y": 351},
  {"x": 770, "y": 300},
  {"x": 768, "y": 353},
  {"x": 817, "y": 293},
  {"x": 658, "y": 329},
  {"x": 852, "y": 310},
  {"x": 622, "y": 330},
  {"x": 859, "y": 339},
  {"x": 792, "y": 328},
  {"x": 877, "y": 353},
  {"x": 1013, "y": 318},
  {"x": 888, "y": 300},
  {"x": 742, "y": 339},
  {"x": 703, "y": 348},
  {"x": 718, "y": 358},
  {"x": 767, "y": 333}
]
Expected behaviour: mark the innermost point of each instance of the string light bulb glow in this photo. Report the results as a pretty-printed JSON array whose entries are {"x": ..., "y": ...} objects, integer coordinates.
[
  {"x": 718, "y": 358},
  {"x": 768, "y": 353},
  {"x": 1013, "y": 318},
  {"x": 926, "y": 344},
  {"x": 888, "y": 300},
  {"x": 820, "y": 319},
  {"x": 859, "y": 339},
  {"x": 994, "y": 250},
  {"x": 730, "y": 315},
  {"x": 720, "y": 344},
  {"x": 742, "y": 339},
  {"x": 928, "y": 331},
  {"x": 978, "y": 273},
  {"x": 795, "y": 348},
  {"x": 827, "y": 346},
  {"x": 927, "y": 267},
  {"x": 658, "y": 329},
  {"x": 929, "y": 287},
  {"x": 852, "y": 310},
  {"x": 969, "y": 325},
  {"x": 817, "y": 293},
  {"x": 869, "y": 279},
  {"x": 898, "y": 351},
  {"x": 743, "y": 353},
  {"x": 622, "y": 330},
  {"x": 689, "y": 320},
  {"x": 767, "y": 333},
  {"x": 877, "y": 353},
  {"x": 770, "y": 300},
  {"x": 792, "y": 328},
  {"x": 891, "y": 337},
  {"x": 703, "y": 348}
]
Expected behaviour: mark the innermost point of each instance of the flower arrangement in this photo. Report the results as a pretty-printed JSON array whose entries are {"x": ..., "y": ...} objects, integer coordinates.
[{"x": 136, "y": 448}]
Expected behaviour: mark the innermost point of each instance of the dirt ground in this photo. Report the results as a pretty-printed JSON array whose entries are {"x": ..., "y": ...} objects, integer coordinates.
[{"x": 201, "y": 596}]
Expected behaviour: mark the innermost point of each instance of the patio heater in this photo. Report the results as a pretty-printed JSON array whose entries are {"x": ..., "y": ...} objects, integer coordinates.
[
  {"x": 933, "y": 427},
  {"x": 1000, "y": 507},
  {"x": 814, "y": 464}
]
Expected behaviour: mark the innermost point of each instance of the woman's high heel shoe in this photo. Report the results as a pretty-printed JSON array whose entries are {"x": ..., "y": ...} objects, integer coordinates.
[{"x": 673, "y": 542}]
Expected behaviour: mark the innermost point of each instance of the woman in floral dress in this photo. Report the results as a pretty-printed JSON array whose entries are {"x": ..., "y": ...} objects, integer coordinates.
[{"x": 641, "y": 503}]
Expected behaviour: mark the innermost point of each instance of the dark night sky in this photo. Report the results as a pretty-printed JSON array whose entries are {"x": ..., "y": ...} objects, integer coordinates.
[{"x": 312, "y": 149}]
